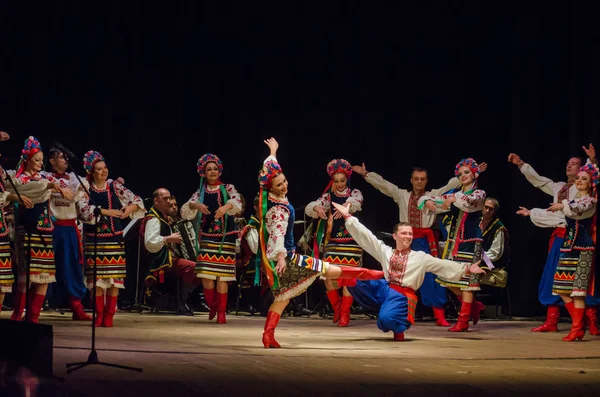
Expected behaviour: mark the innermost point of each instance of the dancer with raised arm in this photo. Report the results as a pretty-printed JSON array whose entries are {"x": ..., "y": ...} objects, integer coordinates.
[
  {"x": 574, "y": 275},
  {"x": 559, "y": 191},
  {"x": 213, "y": 207},
  {"x": 116, "y": 203},
  {"x": 432, "y": 294},
  {"x": 340, "y": 248},
  {"x": 404, "y": 270},
  {"x": 289, "y": 274},
  {"x": 464, "y": 241}
]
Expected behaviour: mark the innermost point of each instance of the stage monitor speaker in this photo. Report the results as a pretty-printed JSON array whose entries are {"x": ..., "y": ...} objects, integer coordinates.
[{"x": 28, "y": 345}]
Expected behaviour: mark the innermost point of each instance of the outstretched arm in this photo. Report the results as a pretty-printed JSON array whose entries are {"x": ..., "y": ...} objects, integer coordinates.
[{"x": 385, "y": 187}]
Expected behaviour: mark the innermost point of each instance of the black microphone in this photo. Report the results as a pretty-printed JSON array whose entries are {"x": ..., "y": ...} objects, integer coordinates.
[{"x": 65, "y": 151}]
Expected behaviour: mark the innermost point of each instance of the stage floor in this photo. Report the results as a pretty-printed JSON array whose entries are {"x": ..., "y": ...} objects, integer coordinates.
[{"x": 185, "y": 356}]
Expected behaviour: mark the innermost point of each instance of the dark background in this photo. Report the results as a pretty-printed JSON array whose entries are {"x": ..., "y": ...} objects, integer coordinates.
[{"x": 153, "y": 88}]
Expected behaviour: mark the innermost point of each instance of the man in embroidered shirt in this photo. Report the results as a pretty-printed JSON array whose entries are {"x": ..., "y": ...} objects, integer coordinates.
[
  {"x": 404, "y": 270},
  {"x": 158, "y": 237}
]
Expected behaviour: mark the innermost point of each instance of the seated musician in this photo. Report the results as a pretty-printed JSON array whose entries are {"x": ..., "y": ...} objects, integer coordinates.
[{"x": 158, "y": 239}]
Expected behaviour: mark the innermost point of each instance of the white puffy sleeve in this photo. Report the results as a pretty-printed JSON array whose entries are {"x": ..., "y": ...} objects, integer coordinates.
[
  {"x": 36, "y": 190},
  {"x": 470, "y": 202},
  {"x": 367, "y": 241},
  {"x": 153, "y": 241},
  {"x": 449, "y": 270},
  {"x": 496, "y": 250},
  {"x": 437, "y": 200},
  {"x": 581, "y": 208},
  {"x": 186, "y": 211},
  {"x": 453, "y": 183},
  {"x": 385, "y": 187},
  {"x": 355, "y": 200},
  {"x": 3, "y": 197},
  {"x": 546, "y": 185},
  {"x": 276, "y": 221},
  {"x": 126, "y": 197},
  {"x": 544, "y": 218},
  {"x": 323, "y": 201},
  {"x": 85, "y": 210},
  {"x": 234, "y": 199},
  {"x": 252, "y": 240}
]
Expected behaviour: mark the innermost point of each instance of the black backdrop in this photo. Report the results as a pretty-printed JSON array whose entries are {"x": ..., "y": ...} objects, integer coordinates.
[{"x": 153, "y": 88}]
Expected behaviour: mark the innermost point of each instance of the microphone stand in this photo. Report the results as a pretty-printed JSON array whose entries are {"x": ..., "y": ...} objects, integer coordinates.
[{"x": 93, "y": 357}]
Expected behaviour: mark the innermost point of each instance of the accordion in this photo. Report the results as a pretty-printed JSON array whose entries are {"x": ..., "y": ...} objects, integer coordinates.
[{"x": 187, "y": 248}]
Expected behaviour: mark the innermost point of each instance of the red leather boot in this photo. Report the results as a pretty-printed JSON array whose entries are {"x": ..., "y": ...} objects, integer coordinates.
[
  {"x": 360, "y": 273},
  {"x": 577, "y": 328},
  {"x": 268, "y": 338},
  {"x": 440, "y": 317},
  {"x": 334, "y": 299},
  {"x": 35, "y": 307},
  {"x": 551, "y": 323},
  {"x": 209, "y": 296},
  {"x": 463, "y": 318},
  {"x": 345, "y": 309},
  {"x": 476, "y": 309},
  {"x": 79, "y": 313},
  {"x": 19, "y": 306},
  {"x": 221, "y": 308},
  {"x": 399, "y": 336},
  {"x": 109, "y": 310},
  {"x": 591, "y": 321},
  {"x": 99, "y": 311}
]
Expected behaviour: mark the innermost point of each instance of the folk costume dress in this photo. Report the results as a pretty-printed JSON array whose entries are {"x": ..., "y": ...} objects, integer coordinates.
[
  {"x": 34, "y": 228},
  {"x": 216, "y": 237},
  {"x": 432, "y": 293},
  {"x": 7, "y": 277},
  {"x": 111, "y": 265},
  {"x": 464, "y": 240},
  {"x": 340, "y": 247},
  {"x": 559, "y": 191},
  {"x": 395, "y": 297}
]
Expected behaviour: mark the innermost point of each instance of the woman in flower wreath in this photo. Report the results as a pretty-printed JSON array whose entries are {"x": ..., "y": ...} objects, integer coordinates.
[
  {"x": 289, "y": 274},
  {"x": 213, "y": 207},
  {"x": 34, "y": 228},
  {"x": 464, "y": 240},
  {"x": 340, "y": 247},
  {"x": 116, "y": 203}
]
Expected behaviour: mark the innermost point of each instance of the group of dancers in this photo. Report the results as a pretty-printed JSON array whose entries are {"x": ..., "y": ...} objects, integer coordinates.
[{"x": 51, "y": 205}]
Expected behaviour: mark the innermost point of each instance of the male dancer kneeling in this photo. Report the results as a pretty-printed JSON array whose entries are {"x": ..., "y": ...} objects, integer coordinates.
[{"x": 404, "y": 270}]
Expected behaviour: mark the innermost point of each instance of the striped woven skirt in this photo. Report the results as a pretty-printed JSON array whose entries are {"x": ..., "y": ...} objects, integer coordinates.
[
  {"x": 344, "y": 253},
  {"x": 110, "y": 262},
  {"x": 470, "y": 282},
  {"x": 216, "y": 259},
  {"x": 41, "y": 260},
  {"x": 6, "y": 274},
  {"x": 574, "y": 273},
  {"x": 301, "y": 271}
]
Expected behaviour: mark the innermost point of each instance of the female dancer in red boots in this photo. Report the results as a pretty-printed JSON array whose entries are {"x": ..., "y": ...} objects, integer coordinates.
[
  {"x": 574, "y": 277},
  {"x": 117, "y": 202},
  {"x": 340, "y": 247},
  {"x": 289, "y": 274},
  {"x": 213, "y": 207},
  {"x": 464, "y": 241},
  {"x": 34, "y": 229}
]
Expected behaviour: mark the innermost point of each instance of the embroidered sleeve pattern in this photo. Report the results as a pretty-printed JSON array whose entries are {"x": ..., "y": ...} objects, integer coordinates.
[
  {"x": 126, "y": 197},
  {"x": 355, "y": 200},
  {"x": 581, "y": 208},
  {"x": 186, "y": 211},
  {"x": 234, "y": 199},
  {"x": 276, "y": 222},
  {"x": 323, "y": 201}
]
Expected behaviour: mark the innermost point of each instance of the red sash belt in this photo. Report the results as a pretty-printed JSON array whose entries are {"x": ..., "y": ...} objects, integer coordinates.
[
  {"x": 559, "y": 232},
  {"x": 65, "y": 222},
  {"x": 412, "y": 299},
  {"x": 419, "y": 232}
]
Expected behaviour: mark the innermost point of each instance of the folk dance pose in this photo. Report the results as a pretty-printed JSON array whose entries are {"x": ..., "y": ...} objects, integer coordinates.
[
  {"x": 432, "y": 294},
  {"x": 289, "y": 274},
  {"x": 116, "y": 203},
  {"x": 340, "y": 247},
  {"x": 34, "y": 229},
  {"x": 404, "y": 270},
  {"x": 559, "y": 191},
  {"x": 159, "y": 239},
  {"x": 576, "y": 269},
  {"x": 213, "y": 207},
  {"x": 464, "y": 240},
  {"x": 66, "y": 237}
]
